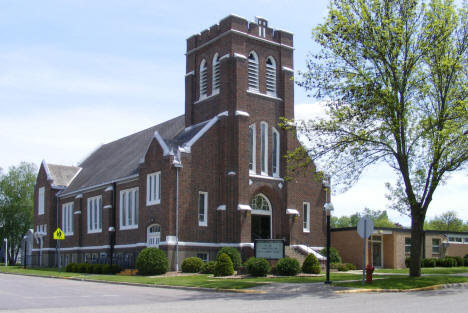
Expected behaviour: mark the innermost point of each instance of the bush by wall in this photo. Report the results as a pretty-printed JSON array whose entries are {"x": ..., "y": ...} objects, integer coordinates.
[
  {"x": 92, "y": 268},
  {"x": 192, "y": 265},
  {"x": 115, "y": 269},
  {"x": 152, "y": 261},
  {"x": 446, "y": 262},
  {"x": 224, "y": 265},
  {"x": 258, "y": 267},
  {"x": 287, "y": 267},
  {"x": 311, "y": 265},
  {"x": 460, "y": 260},
  {"x": 233, "y": 253},
  {"x": 208, "y": 267},
  {"x": 343, "y": 267},
  {"x": 334, "y": 255},
  {"x": 430, "y": 262}
]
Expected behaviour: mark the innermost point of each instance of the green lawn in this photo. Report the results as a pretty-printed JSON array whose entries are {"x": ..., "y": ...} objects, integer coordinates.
[
  {"x": 428, "y": 270},
  {"x": 403, "y": 282},
  {"x": 38, "y": 271}
]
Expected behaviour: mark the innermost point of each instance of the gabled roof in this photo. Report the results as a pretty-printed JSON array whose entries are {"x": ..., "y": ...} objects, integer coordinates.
[
  {"x": 121, "y": 158},
  {"x": 60, "y": 176}
]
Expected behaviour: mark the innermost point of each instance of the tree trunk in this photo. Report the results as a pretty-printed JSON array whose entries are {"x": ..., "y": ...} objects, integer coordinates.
[{"x": 417, "y": 236}]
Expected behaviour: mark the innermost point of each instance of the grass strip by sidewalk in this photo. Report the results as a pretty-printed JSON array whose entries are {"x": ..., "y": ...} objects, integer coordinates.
[
  {"x": 197, "y": 280},
  {"x": 404, "y": 282},
  {"x": 428, "y": 270}
]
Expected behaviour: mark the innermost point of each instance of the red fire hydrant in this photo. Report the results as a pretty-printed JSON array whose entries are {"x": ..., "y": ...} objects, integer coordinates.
[{"x": 369, "y": 271}]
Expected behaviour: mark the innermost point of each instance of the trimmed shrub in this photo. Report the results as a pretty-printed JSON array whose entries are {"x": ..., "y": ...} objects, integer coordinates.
[
  {"x": 82, "y": 267},
  {"x": 465, "y": 260},
  {"x": 208, "y": 267},
  {"x": 258, "y": 267},
  {"x": 115, "y": 269},
  {"x": 106, "y": 269},
  {"x": 224, "y": 265},
  {"x": 192, "y": 265},
  {"x": 90, "y": 268},
  {"x": 97, "y": 268},
  {"x": 430, "y": 262},
  {"x": 287, "y": 267},
  {"x": 446, "y": 262},
  {"x": 460, "y": 261},
  {"x": 343, "y": 267},
  {"x": 152, "y": 261},
  {"x": 233, "y": 253},
  {"x": 311, "y": 265},
  {"x": 71, "y": 267},
  {"x": 334, "y": 255}
]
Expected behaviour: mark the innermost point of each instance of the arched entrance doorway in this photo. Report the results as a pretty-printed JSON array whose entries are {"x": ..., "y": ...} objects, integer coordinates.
[{"x": 261, "y": 217}]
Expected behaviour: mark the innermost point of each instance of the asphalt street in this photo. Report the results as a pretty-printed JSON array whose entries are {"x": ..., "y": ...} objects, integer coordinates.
[{"x": 35, "y": 294}]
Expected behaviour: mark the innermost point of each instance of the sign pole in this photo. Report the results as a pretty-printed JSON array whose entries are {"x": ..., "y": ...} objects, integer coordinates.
[
  {"x": 364, "y": 253},
  {"x": 58, "y": 250},
  {"x": 6, "y": 252}
]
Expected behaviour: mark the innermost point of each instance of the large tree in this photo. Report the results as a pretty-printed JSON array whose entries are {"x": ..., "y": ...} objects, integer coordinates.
[
  {"x": 392, "y": 75},
  {"x": 380, "y": 219},
  {"x": 448, "y": 221},
  {"x": 16, "y": 205}
]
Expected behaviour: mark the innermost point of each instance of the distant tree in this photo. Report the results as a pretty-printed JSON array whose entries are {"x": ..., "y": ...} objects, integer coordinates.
[
  {"x": 16, "y": 205},
  {"x": 380, "y": 219},
  {"x": 447, "y": 221},
  {"x": 393, "y": 78}
]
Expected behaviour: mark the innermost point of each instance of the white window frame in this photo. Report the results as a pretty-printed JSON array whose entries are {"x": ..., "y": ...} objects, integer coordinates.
[
  {"x": 128, "y": 209},
  {"x": 41, "y": 201},
  {"x": 153, "y": 239},
  {"x": 67, "y": 218},
  {"x": 94, "y": 214},
  {"x": 203, "y": 222},
  {"x": 216, "y": 75},
  {"x": 203, "y": 80},
  {"x": 270, "y": 74},
  {"x": 275, "y": 155},
  {"x": 408, "y": 245},
  {"x": 252, "y": 71},
  {"x": 153, "y": 188},
  {"x": 203, "y": 256},
  {"x": 252, "y": 149},
  {"x": 436, "y": 246},
  {"x": 306, "y": 214},
  {"x": 264, "y": 148}
]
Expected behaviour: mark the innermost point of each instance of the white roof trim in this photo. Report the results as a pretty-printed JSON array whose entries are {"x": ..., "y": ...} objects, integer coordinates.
[
  {"x": 231, "y": 173},
  {"x": 242, "y": 113},
  {"x": 292, "y": 212},
  {"x": 110, "y": 188},
  {"x": 263, "y": 95},
  {"x": 108, "y": 206},
  {"x": 202, "y": 131},
  {"x": 221, "y": 207},
  {"x": 244, "y": 207},
  {"x": 79, "y": 196},
  {"x": 240, "y": 56},
  {"x": 266, "y": 177},
  {"x": 46, "y": 168},
  {"x": 162, "y": 143},
  {"x": 77, "y": 212},
  {"x": 190, "y": 73},
  {"x": 309, "y": 250},
  {"x": 287, "y": 69}
]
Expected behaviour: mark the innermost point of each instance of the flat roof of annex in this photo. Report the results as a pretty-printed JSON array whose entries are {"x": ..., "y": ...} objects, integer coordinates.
[{"x": 239, "y": 25}]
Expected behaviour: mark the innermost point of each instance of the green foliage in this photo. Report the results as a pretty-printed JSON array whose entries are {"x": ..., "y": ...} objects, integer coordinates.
[
  {"x": 407, "y": 261},
  {"x": 152, "y": 261},
  {"x": 343, "y": 267},
  {"x": 115, "y": 269},
  {"x": 334, "y": 255},
  {"x": 380, "y": 219},
  {"x": 16, "y": 205},
  {"x": 71, "y": 267},
  {"x": 233, "y": 253},
  {"x": 106, "y": 269},
  {"x": 460, "y": 260},
  {"x": 258, "y": 267},
  {"x": 447, "y": 221},
  {"x": 430, "y": 262},
  {"x": 287, "y": 267},
  {"x": 192, "y": 265},
  {"x": 392, "y": 77},
  {"x": 208, "y": 267},
  {"x": 447, "y": 262},
  {"x": 224, "y": 265},
  {"x": 311, "y": 265}
]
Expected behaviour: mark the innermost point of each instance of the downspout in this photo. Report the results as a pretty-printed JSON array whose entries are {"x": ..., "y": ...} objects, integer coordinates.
[
  {"x": 57, "y": 242},
  {"x": 112, "y": 232},
  {"x": 177, "y": 165}
]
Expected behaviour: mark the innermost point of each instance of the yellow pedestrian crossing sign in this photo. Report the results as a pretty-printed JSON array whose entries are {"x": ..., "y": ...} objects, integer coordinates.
[{"x": 59, "y": 235}]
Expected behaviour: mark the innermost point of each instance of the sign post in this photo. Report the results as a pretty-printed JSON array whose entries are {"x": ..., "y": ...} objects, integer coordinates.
[
  {"x": 365, "y": 228},
  {"x": 6, "y": 251},
  {"x": 58, "y": 235}
]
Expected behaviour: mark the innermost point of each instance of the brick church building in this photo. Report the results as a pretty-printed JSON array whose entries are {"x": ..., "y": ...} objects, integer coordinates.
[{"x": 210, "y": 178}]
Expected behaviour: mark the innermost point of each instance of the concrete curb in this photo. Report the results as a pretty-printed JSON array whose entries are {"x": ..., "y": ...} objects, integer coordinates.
[
  {"x": 435, "y": 287},
  {"x": 248, "y": 291}
]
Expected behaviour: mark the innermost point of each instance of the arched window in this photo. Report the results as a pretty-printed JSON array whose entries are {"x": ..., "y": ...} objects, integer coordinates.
[
  {"x": 215, "y": 74},
  {"x": 252, "y": 145},
  {"x": 203, "y": 79},
  {"x": 271, "y": 76},
  {"x": 264, "y": 147},
  {"x": 260, "y": 205},
  {"x": 153, "y": 235},
  {"x": 275, "y": 152},
  {"x": 253, "y": 71}
]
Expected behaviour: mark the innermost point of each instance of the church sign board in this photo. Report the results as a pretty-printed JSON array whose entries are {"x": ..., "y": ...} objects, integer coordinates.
[{"x": 270, "y": 249}]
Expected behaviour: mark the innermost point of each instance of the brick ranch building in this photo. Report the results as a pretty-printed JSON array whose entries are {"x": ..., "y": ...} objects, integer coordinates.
[{"x": 210, "y": 178}]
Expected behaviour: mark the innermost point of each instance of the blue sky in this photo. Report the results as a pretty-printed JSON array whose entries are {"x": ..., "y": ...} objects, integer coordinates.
[{"x": 76, "y": 74}]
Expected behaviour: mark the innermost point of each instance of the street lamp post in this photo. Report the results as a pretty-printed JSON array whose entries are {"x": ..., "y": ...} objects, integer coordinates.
[{"x": 328, "y": 207}]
